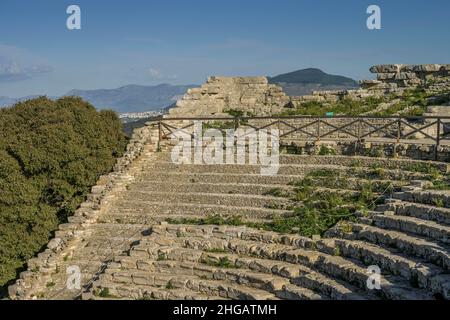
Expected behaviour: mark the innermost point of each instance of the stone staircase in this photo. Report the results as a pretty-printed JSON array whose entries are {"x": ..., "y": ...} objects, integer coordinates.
[{"x": 126, "y": 248}]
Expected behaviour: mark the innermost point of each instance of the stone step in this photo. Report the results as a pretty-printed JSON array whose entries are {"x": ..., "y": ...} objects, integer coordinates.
[
  {"x": 334, "y": 266},
  {"x": 416, "y": 271},
  {"x": 318, "y": 285},
  {"x": 285, "y": 269},
  {"x": 226, "y": 287},
  {"x": 293, "y": 292},
  {"x": 244, "y": 188},
  {"x": 161, "y": 218},
  {"x": 348, "y": 270},
  {"x": 288, "y": 291},
  {"x": 201, "y": 187},
  {"x": 284, "y": 169},
  {"x": 429, "y": 197},
  {"x": 359, "y": 161},
  {"x": 425, "y": 228},
  {"x": 435, "y": 253},
  {"x": 417, "y": 210},
  {"x": 214, "y": 177},
  {"x": 354, "y": 161},
  {"x": 155, "y": 209},
  {"x": 235, "y": 200}
]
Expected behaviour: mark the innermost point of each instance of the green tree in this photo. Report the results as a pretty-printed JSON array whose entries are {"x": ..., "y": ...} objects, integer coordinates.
[{"x": 51, "y": 153}]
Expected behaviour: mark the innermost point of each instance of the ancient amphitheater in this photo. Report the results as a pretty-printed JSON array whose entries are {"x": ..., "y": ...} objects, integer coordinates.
[{"x": 153, "y": 229}]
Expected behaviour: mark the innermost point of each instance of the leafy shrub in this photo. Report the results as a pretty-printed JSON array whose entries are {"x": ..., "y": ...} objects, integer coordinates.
[
  {"x": 51, "y": 153},
  {"x": 326, "y": 151}
]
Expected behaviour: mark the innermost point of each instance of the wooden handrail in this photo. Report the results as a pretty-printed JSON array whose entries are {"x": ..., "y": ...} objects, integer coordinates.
[{"x": 393, "y": 122}]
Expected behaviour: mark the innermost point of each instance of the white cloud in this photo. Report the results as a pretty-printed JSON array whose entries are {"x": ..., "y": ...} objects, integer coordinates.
[
  {"x": 156, "y": 74},
  {"x": 16, "y": 64}
]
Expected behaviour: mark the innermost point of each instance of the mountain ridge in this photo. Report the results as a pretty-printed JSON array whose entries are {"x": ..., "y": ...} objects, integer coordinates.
[{"x": 134, "y": 98}]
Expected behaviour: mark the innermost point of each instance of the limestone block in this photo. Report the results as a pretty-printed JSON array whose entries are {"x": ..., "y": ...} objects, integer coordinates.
[
  {"x": 405, "y": 76},
  {"x": 194, "y": 91},
  {"x": 370, "y": 82},
  {"x": 386, "y": 76},
  {"x": 427, "y": 68},
  {"x": 439, "y": 110},
  {"x": 386, "y": 68}
]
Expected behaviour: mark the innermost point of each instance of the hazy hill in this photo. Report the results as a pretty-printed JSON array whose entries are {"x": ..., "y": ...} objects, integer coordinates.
[
  {"x": 304, "y": 81},
  {"x": 133, "y": 98}
]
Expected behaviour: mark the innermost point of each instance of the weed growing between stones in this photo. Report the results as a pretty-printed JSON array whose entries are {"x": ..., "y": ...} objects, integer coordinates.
[
  {"x": 169, "y": 286},
  {"x": 291, "y": 149},
  {"x": 104, "y": 293},
  {"x": 222, "y": 262},
  {"x": 411, "y": 102},
  {"x": 217, "y": 125},
  {"x": 440, "y": 183},
  {"x": 313, "y": 212},
  {"x": 326, "y": 151},
  {"x": 326, "y": 197},
  {"x": 277, "y": 192},
  {"x": 438, "y": 203},
  {"x": 161, "y": 257},
  {"x": 424, "y": 168},
  {"x": 375, "y": 152}
]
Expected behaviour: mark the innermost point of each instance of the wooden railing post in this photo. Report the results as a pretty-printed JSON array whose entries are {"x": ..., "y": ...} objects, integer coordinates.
[
  {"x": 358, "y": 133},
  {"x": 399, "y": 127},
  {"x": 359, "y": 130},
  {"x": 438, "y": 139},
  {"x": 159, "y": 135},
  {"x": 318, "y": 129},
  {"x": 237, "y": 122}
]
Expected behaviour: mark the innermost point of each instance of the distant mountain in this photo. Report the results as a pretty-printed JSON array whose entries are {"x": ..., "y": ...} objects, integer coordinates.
[
  {"x": 304, "y": 81},
  {"x": 133, "y": 98},
  {"x": 130, "y": 98}
]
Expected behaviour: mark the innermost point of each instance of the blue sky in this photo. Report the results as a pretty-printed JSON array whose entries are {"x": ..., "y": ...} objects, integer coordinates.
[{"x": 183, "y": 42}]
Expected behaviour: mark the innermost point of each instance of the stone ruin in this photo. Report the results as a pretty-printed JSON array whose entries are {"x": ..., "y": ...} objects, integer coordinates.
[
  {"x": 253, "y": 95},
  {"x": 392, "y": 77},
  {"x": 125, "y": 247}
]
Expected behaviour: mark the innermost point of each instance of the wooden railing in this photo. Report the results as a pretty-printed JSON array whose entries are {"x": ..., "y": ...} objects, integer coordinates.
[{"x": 433, "y": 130}]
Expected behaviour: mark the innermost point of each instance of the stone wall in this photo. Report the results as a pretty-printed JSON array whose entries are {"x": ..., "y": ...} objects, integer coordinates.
[{"x": 253, "y": 95}]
